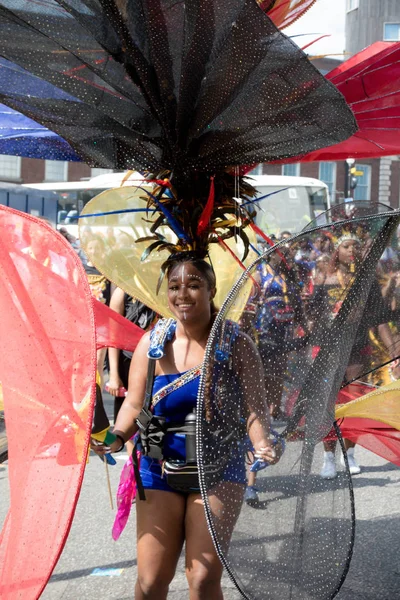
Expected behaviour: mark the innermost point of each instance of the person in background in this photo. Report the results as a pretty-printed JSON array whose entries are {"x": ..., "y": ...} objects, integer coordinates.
[
  {"x": 100, "y": 287},
  {"x": 330, "y": 288},
  {"x": 75, "y": 243},
  {"x": 44, "y": 255},
  {"x": 120, "y": 360}
]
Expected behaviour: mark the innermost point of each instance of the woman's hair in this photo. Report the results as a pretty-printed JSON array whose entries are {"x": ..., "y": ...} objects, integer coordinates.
[
  {"x": 334, "y": 262},
  {"x": 199, "y": 263}
]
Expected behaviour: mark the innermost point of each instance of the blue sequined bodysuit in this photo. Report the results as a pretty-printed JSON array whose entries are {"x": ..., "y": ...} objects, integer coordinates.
[
  {"x": 174, "y": 407},
  {"x": 174, "y": 397},
  {"x": 275, "y": 317}
]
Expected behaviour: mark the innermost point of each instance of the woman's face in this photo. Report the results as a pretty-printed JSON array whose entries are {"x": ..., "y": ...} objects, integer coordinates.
[
  {"x": 323, "y": 264},
  {"x": 189, "y": 296},
  {"x": 326, "y": 246},
  {"x": 95, "y": 249},
  {"x": 318, "y": 243},
  {"x": 349, "y": 251}
]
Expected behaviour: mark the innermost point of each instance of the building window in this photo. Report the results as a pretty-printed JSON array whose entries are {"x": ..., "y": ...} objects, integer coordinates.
[
  {"x": 391, "y": 32},
  {"x": 327, "y": 174},
  {"x": 352, "y": 5},
  {"x": 291, "y": 170},
  {"x": 258, "y": 170},
  {"x": 55, "y": 170},
  {"x": 363, "y": 189},
  {"x": 96, "y": 172},
  {"x": 10, "y": 167}
]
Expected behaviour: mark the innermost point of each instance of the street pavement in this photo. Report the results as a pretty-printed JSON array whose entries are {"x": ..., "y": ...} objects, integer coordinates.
[{"x": 92, "y": 565}]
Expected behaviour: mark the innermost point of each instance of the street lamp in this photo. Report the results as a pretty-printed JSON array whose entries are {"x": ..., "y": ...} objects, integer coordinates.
[{"x": 348, "y": 177}]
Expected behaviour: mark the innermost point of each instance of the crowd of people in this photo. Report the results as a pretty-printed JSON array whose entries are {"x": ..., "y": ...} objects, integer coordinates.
[
  {"x": 293, "y": 286},
  {"x": 295, "y": 282},
  {"x": 297, "y": 285}
]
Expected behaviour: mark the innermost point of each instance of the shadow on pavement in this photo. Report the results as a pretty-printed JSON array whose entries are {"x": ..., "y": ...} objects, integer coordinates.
[{"x": 68, "y": 575}]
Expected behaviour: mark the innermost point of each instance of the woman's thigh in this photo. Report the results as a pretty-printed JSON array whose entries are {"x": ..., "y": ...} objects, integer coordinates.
[
  {"x": 202, "y": 562},
  {"x": 225, "y": 506},
  {"x": 160, "y": 533}
]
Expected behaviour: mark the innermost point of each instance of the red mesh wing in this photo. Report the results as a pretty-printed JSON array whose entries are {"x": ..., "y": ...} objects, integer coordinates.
[
  {"x": 47, "y": 370},
  {"x": 113, "y": 330}
]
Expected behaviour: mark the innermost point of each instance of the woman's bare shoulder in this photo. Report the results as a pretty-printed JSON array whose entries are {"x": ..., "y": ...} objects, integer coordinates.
[
  {"x": 143, "y": 346},
  {"x": 244, "y": 344},
  {"x": 331, "y": 279}
]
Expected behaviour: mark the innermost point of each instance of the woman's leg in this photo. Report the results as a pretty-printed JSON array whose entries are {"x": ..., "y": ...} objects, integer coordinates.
[
  {"x": 203, "y": 567},
  {"x": 251, "y": 493},
  {"x": 160, "y": 533},
  {"x": 348, "y": 444},
  {"x": 351, "y": 373},
  {"x": 101, "y": 356}
]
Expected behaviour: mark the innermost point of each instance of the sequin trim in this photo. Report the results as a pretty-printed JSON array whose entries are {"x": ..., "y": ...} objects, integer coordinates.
[
  {"x": 163, "y": 332},
  {"x": 175, "y": 385},
  {"x": 229, "y": 332}
]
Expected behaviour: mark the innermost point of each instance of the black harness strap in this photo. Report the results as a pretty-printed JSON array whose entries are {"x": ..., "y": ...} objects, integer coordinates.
[
  {"x": 149, "y": 384},
  {"x": 143, "y": 420},
  {"x": 139, "y": 484}
]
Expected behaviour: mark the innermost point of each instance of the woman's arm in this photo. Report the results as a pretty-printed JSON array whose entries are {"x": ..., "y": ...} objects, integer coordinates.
[
  {"x": 114, "y": 382},
  {"x": 250, "y": 371},
  {"x": 125, "y": 425}
]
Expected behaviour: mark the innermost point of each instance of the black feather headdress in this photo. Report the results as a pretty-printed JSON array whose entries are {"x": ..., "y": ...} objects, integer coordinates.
[{"x": 194, "y": 89}]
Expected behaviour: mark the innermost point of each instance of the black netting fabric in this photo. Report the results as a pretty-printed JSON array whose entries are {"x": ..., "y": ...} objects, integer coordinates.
[
  {"x": 352, "y": 209},
  {"x": 154, "y": 84},
  {"x": 320, "y": 304}
]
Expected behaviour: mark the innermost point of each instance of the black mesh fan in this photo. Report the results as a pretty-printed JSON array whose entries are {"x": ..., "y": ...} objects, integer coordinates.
[
  {"x": 296, "y": 542},
  {"x": 161, "y": 84}
]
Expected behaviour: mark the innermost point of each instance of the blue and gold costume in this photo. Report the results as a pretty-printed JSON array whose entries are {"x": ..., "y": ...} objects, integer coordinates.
[{"x": 174, "y": 397}]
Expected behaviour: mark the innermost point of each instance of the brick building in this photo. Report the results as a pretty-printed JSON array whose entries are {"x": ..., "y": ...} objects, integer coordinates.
[{"x": 14, "y": 169}]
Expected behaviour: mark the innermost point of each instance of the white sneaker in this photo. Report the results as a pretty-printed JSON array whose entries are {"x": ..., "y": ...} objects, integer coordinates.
[
  {"x": 328, "y": 470},
  {"x": 354, "y": 467}
]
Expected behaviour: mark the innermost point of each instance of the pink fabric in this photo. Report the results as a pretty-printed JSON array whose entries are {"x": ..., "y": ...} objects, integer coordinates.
[
  {"x": 126, "y": 494},
  {"x": 113, "y": 330},
  {"x": 47, "y": 371}
]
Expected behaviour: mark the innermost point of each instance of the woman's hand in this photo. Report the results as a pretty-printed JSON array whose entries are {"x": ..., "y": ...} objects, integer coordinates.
[
  {"x": 268, "y": 451},
  {"x": 100, "y": 449},
  {"x": 113, "y": 385}
]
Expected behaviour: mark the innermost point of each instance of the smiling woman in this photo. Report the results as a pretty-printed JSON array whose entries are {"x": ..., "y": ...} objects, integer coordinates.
[
  {"x": 189, "y": 282},
  {"x": 165, "y": 371}
]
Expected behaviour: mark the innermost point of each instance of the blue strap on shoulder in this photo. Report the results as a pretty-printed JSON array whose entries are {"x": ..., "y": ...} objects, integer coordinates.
[{"x": 162, "y": 333}]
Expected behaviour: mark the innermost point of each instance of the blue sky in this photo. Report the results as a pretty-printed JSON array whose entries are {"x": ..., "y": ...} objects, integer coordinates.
[{"x": 326, "y": 16}]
